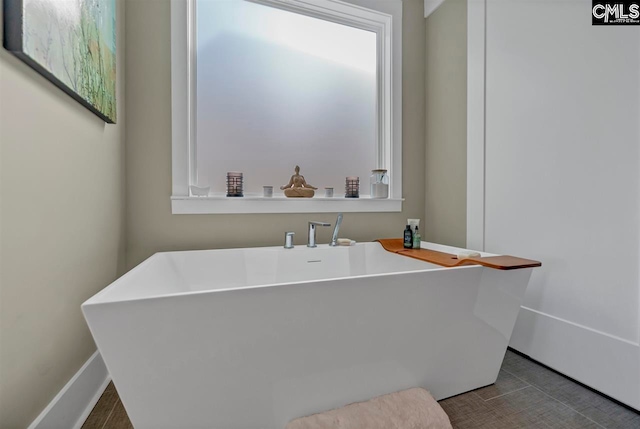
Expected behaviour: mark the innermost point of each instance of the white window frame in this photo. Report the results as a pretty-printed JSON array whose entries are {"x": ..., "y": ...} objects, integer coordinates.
[{"x": 383, "y": 18}]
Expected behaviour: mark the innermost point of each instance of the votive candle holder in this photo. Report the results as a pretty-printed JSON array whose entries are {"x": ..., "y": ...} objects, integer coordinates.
[
  {"x": 352, "y": 187},
  {"x": 234, "y": 184}
]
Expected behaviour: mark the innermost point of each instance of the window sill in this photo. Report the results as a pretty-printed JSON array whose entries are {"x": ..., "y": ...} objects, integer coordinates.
[{"x": 280, "y": 204}]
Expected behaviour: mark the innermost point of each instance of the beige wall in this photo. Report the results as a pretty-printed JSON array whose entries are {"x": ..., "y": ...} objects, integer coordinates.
[
  {"x": 61, "y": 232},
  {"x": 150, "y": 225},
  {"x": 446, "y": 125}
]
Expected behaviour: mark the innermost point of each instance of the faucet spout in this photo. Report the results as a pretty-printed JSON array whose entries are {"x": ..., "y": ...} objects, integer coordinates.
[
  {"x": 334, "y": 238},
  {"x": 312, "y": 232}
]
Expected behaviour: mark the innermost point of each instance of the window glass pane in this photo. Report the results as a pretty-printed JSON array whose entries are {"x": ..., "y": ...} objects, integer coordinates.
[{"x": 276, "y": 89}]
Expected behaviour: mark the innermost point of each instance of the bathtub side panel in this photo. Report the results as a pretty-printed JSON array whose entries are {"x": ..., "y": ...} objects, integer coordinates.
[{"x": 257, "y": 358}]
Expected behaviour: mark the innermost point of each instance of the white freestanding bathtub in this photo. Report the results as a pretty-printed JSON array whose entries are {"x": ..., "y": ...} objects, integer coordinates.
[{"x": 253, "y": 338}]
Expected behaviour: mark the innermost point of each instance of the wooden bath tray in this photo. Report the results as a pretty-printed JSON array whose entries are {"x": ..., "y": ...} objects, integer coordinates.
[{"x": 502, "y": 262}]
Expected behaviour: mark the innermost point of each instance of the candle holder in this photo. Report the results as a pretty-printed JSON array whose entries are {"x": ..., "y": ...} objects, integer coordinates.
[
  {"x": 352, "y": 187},
  {"x": 234, "y": 184}
]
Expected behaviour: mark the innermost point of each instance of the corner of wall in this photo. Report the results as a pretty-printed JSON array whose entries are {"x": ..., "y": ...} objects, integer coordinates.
[{"x": 446, "y": 124}]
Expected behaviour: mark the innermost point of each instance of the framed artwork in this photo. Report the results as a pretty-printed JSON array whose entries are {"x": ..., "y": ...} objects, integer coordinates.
[{"x": 70, "y": 42}]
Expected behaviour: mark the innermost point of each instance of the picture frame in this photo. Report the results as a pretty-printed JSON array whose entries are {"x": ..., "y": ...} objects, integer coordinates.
[{"x": 71, "y": 43}]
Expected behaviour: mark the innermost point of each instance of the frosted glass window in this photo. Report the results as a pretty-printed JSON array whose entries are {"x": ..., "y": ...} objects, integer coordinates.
[{"x": 276, "y": 89}]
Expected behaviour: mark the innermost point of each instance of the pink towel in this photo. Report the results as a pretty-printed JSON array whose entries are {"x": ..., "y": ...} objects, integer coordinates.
[{"x": 409, "y": 409}]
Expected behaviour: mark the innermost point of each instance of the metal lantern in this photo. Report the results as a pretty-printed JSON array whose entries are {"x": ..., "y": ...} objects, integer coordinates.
[
  {"x": 352, "y": 187},
  {"x": 234, "y": 184}
]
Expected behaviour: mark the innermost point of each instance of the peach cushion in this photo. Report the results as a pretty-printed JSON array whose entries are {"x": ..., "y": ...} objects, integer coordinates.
[{"x": 408, "y": 409}]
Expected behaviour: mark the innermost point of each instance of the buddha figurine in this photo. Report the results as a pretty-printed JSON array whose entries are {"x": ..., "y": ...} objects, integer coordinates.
[{"x": 298, "y": 187}]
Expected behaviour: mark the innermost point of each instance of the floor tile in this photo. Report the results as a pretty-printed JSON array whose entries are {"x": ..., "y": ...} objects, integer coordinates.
[
  {"x": 599, "y": 409},
  {"x": 514, "y": 421},
  {"x": 496, "y": 422},
  {"x": 506, "y": 383},
  {"x": 587, "y": 402},
  {"x": 118, "y": 418},
  {"x": 517, "y": 401},
  {"x": 468, "y": 410},
  {"x": 103, "y": 408},
  {"x": 551, "y": 413},
  {"x": 530, "y": 372}
]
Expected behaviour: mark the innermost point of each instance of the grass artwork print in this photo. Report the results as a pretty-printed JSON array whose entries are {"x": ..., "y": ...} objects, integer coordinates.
[{"x": 70, "y": 42}]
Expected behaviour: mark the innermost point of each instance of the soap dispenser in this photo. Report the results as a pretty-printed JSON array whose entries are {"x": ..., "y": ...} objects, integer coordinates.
[
  {"x": 408, "y": 237},
  {"x": 416, "y": 238}
]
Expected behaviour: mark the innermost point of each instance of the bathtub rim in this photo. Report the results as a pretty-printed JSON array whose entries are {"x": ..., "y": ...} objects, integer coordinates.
[
  {"x": 88, "y": 302},
  {"x": 96, "y": 299}
]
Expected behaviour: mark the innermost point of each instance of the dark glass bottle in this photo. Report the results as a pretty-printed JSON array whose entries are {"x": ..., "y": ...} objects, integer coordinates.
[{"x": 408, "y": 237}]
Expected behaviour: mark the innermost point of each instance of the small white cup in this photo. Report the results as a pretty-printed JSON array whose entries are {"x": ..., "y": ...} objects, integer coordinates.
[
  {"x": 328, "y": 192},
  {"x": 267, "y": 191}
]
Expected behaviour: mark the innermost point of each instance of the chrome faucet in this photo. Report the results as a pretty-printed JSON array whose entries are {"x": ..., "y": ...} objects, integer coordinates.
[
  {"x": 312, "y": 232},
  {"x": 334, "y": 238},
  {"x": 288, "y": 239}
]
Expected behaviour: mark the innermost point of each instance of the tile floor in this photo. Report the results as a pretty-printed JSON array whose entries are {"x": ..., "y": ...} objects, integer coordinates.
[
  {"x": 526, "y": 395},
  {"x": 108, "y": 413}
]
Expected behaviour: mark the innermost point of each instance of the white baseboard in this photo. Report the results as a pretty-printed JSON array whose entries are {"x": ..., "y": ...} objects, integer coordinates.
[
  {"x": 72, "y": 405},
  {"x": 609, "y": 364}
]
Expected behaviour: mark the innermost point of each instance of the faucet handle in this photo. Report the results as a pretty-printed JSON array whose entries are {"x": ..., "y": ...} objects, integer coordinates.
[
  {"x": 313, "y": 222},
  {"x": 288, "y": 239},
  {"x": 334, "y": 238}
]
